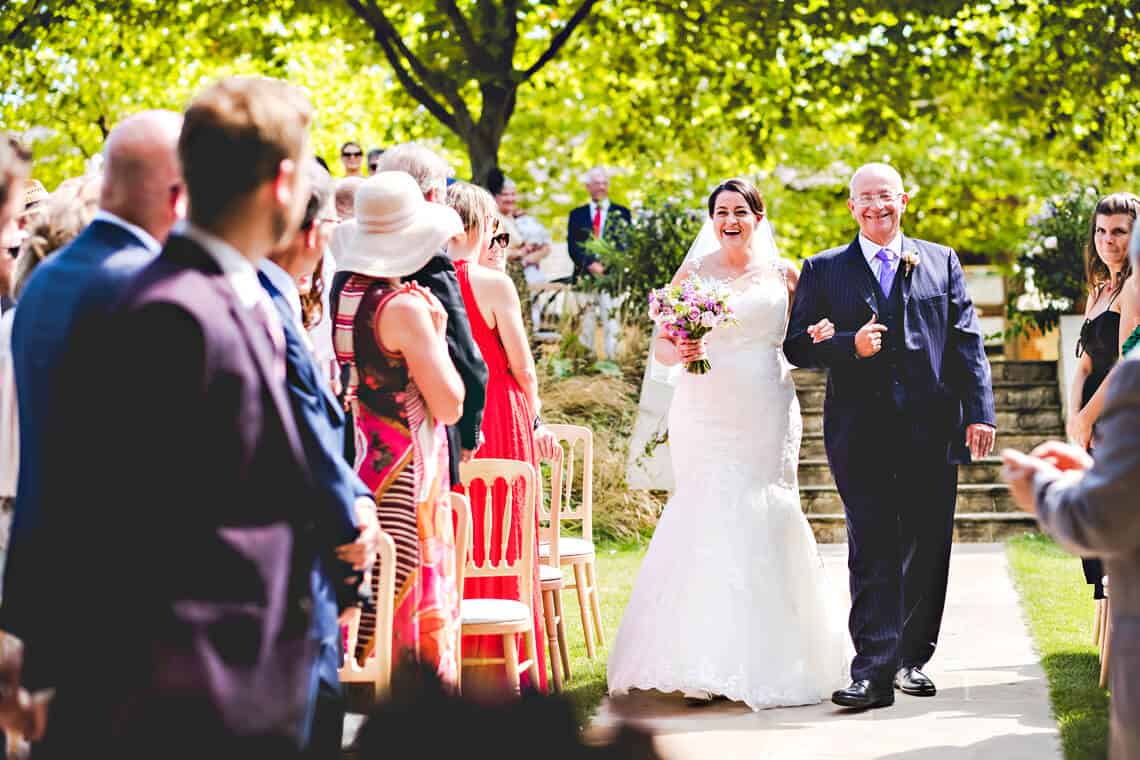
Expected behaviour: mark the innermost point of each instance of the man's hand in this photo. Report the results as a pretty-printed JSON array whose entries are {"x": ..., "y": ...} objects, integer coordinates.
[
  {"x": 1019, "y": 470},
  {"x": 821, "y": 331},
  {"x": 19, "y": 711},
  {"x": 869, "y": 339},
  {"x": 1063, "y": 456},
  {"x": 596, "y": 268},
  {"x": 980, "y": 440},
  {"x": 361, "y": 552}
]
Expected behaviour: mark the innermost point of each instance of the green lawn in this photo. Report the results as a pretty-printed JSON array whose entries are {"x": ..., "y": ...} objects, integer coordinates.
[
  {"x": 617, "y": 568},
  {"x": 1059, "y": 607}
]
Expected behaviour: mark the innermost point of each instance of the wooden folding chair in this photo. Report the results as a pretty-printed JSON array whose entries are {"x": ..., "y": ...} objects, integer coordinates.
[
  {"x": 505, "y": 617},
  {"x": 377, "y": 667},
  {"x": 550, "y": 575},
  {"x": 578, "y": 553}
]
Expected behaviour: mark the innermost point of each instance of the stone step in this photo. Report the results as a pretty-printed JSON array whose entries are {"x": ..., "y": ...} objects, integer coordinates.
[
  {"x": 973, "y": 498},
  {"x": 1044, "y": 421},
  {"x": 812, "y": 445},
  {"x": 1007, "y": 396},
  {"x": 968, "y": 528},
  {"x": 1001, "y": 371},
  {"x": 815, "y": 472}
]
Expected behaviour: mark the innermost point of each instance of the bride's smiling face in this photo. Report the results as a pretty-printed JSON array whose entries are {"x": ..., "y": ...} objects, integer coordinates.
[{"x": 733, "y": 219}]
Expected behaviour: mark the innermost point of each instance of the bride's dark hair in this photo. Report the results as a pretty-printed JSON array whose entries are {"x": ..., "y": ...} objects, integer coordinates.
[{"x": 744, "y": 187}]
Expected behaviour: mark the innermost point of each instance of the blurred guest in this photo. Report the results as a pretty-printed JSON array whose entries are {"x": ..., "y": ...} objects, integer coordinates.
[
  {"x": 287, "y": 276},
  {"x": 374, "y": 160},
  {"x": 511, "y": 423},
  {"x": 437, "y": 274},
  {"x": 402, "y": 385},
  {"x": 346, "y": 197},
  {"x": 352, "y": 159},
  {"x": 141, "y": 197},
  {"x": 530, "y": 241},
  {"x": 592, "y": 222},
  {"x": 1107, "y": 271},
  {"x": 15, "y": 161},
  {"x": 206, "y": 643}
]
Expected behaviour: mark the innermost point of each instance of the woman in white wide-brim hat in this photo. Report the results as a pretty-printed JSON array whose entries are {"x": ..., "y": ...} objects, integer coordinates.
[{"x": 403, "y": 389}]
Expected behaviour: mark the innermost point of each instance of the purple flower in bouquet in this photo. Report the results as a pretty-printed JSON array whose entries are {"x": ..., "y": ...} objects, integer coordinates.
[{"x": 690, "y": 310}]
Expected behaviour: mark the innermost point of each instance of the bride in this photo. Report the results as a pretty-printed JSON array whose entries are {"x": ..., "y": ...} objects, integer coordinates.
[{"x": 731, "y": 598}]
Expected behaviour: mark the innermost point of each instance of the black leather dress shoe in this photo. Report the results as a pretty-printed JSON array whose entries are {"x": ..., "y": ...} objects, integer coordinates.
[
  {"x": 864, "y": 694},
  {"x": 914, "y": 682}
]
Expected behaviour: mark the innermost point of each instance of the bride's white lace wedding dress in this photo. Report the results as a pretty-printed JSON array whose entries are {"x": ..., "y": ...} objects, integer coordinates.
[{"x": 731, "y": 598}]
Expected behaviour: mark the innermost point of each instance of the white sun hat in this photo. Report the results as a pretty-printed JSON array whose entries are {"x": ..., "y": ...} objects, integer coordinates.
[{"x": 395, "y": 232}]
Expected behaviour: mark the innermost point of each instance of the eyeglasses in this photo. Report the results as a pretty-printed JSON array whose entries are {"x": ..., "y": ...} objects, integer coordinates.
[
  {"x": 867, "y": 199},
  {"x": 351, "y": 153},
  {"x": 502, "y": 240}
]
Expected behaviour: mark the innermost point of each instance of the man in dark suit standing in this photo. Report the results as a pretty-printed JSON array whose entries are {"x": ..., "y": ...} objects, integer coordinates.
[
  {"x": 203, "y": 520},
  {"x": 909, "y": 397},
  {"x": 593, "y": 221},
  {"x": 321, "y": 424},
  {"x": 140, "y": 200}
]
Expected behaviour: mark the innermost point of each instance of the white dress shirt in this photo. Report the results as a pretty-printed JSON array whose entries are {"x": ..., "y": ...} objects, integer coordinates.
[
  {"x": 147, "y": 239},
  {"x": 286, "y": 287},
  {"x": 237, "y": 269},
  {"x": 605, "y": 211},
  {"x": 871, "y": 250}
]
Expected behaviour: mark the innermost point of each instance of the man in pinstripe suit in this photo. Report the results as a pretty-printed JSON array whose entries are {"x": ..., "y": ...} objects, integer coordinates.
[{"x": 909, "y": 398}]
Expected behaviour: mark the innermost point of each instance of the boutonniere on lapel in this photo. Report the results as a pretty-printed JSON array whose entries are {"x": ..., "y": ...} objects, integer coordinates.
[{"x": 910, "y": 261}]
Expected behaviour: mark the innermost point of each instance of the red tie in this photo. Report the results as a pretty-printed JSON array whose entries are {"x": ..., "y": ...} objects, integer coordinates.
[{"x": 597, "y": 221}]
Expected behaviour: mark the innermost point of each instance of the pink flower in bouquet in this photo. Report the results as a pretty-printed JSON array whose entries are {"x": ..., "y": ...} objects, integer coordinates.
[{"x": 690, "y": 310}]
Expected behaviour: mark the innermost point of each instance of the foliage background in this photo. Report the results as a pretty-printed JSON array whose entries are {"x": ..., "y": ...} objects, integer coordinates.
[{"x": 987, "y": 107}]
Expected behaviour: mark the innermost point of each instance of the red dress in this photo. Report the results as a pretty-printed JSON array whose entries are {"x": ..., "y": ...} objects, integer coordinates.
[{"x": 508, "y": 433}]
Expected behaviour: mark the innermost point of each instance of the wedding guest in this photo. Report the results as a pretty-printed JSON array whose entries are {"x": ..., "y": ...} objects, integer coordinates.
[
  {"x": 346, "y": 196},
  {"x": 206, "y": 648},
  {"x": 511, "y": 424},
  {"x": 352, "y": 159},
  {"x": 530, "y": 241},
  {"x": 140, "y": 199},
  {"x": 287, "y": 276},
  {"x": 15, "y": 162},
  {"x": 1089, "y": 506},
  {"x": 431, "y": 173},
  {"x": 593, "y": 221},
  {"x": 401, "y": 388},
  {"x": 1106, "y": 272},
  {"x": 374, "y": 160}
]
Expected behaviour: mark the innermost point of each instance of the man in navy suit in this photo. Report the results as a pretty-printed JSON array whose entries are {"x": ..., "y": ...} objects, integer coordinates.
[
  {"x": 595, "y": 220},
  {"x": 321, "y": 422},
  {"x": 202, "y": 522},
  {"x": 909, "y": 397},
  {"x": 141, "y": 199}
]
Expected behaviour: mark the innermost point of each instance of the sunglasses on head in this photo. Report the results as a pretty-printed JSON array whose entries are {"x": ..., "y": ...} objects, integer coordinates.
[
  {"x": 351, "y": 153},
  {"x": 501, "y": 239}
]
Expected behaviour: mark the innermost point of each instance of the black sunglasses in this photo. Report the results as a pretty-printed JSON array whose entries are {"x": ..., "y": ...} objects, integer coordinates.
[
  {"x": 351, "y": 153},
  {"x": 502, "y": 239}
]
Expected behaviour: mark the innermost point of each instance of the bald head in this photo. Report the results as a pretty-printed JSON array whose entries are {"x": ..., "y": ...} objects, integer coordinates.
[
  {"x": 142, "y": 182},
  {"x": 876, "y": 171}
]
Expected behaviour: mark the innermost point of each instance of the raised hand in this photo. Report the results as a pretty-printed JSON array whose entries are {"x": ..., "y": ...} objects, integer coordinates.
[
  {"x": 690, "y": 350},
  {"x": 869, "y": 338}
]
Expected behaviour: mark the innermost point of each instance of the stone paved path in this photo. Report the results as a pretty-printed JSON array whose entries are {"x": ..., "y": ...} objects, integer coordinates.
[{"x": 992, "y": 702}]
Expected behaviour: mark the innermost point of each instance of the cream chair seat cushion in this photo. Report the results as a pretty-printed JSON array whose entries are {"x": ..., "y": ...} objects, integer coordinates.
[
  {"x": 548, "y": 573},
  {"x": 568, "y": 547},
  {"x": 476, "y": 611}
]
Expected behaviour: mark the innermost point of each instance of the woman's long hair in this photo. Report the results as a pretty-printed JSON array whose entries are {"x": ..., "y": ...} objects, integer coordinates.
[
  {"x": 1096, "y": 272},
  {"x": 65, "y": 217}
]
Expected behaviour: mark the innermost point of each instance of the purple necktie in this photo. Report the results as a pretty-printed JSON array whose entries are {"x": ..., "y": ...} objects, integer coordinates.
[{"x": 886, "y": 270}]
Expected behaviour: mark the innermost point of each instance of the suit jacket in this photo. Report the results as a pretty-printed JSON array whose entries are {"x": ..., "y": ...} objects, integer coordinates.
[
  {"x": 202, "y": 526},
  {"x": 69, "y": 289},
  {"x": 1095, "y": 514},
  {"x": 580, "y": 228},
  {"x": 943, "y": 356},
  {"x": 320, "y": 422}
]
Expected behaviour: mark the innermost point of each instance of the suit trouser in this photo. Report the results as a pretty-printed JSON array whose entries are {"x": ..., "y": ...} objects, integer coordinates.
[{"x": 899, "y": 496}]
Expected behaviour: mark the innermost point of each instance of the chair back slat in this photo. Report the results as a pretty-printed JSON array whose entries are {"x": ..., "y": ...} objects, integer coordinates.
[
  {"x": 515, "y": 474},
  {"x": 548, "y": 523},
  {"x": 574, "y": 438},
  {"x": 461, "y": 508}
]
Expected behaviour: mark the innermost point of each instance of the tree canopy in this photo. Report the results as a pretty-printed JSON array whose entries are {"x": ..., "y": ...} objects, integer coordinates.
[{"x": 985, "y": 107}]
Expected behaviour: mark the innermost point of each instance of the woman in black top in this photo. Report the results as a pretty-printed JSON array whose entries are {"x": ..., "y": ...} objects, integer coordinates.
[{"x": 1106, "y": 269}]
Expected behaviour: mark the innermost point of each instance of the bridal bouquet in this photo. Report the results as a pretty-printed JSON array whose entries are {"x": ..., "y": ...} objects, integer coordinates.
[{"x": 690, "y": 310}]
